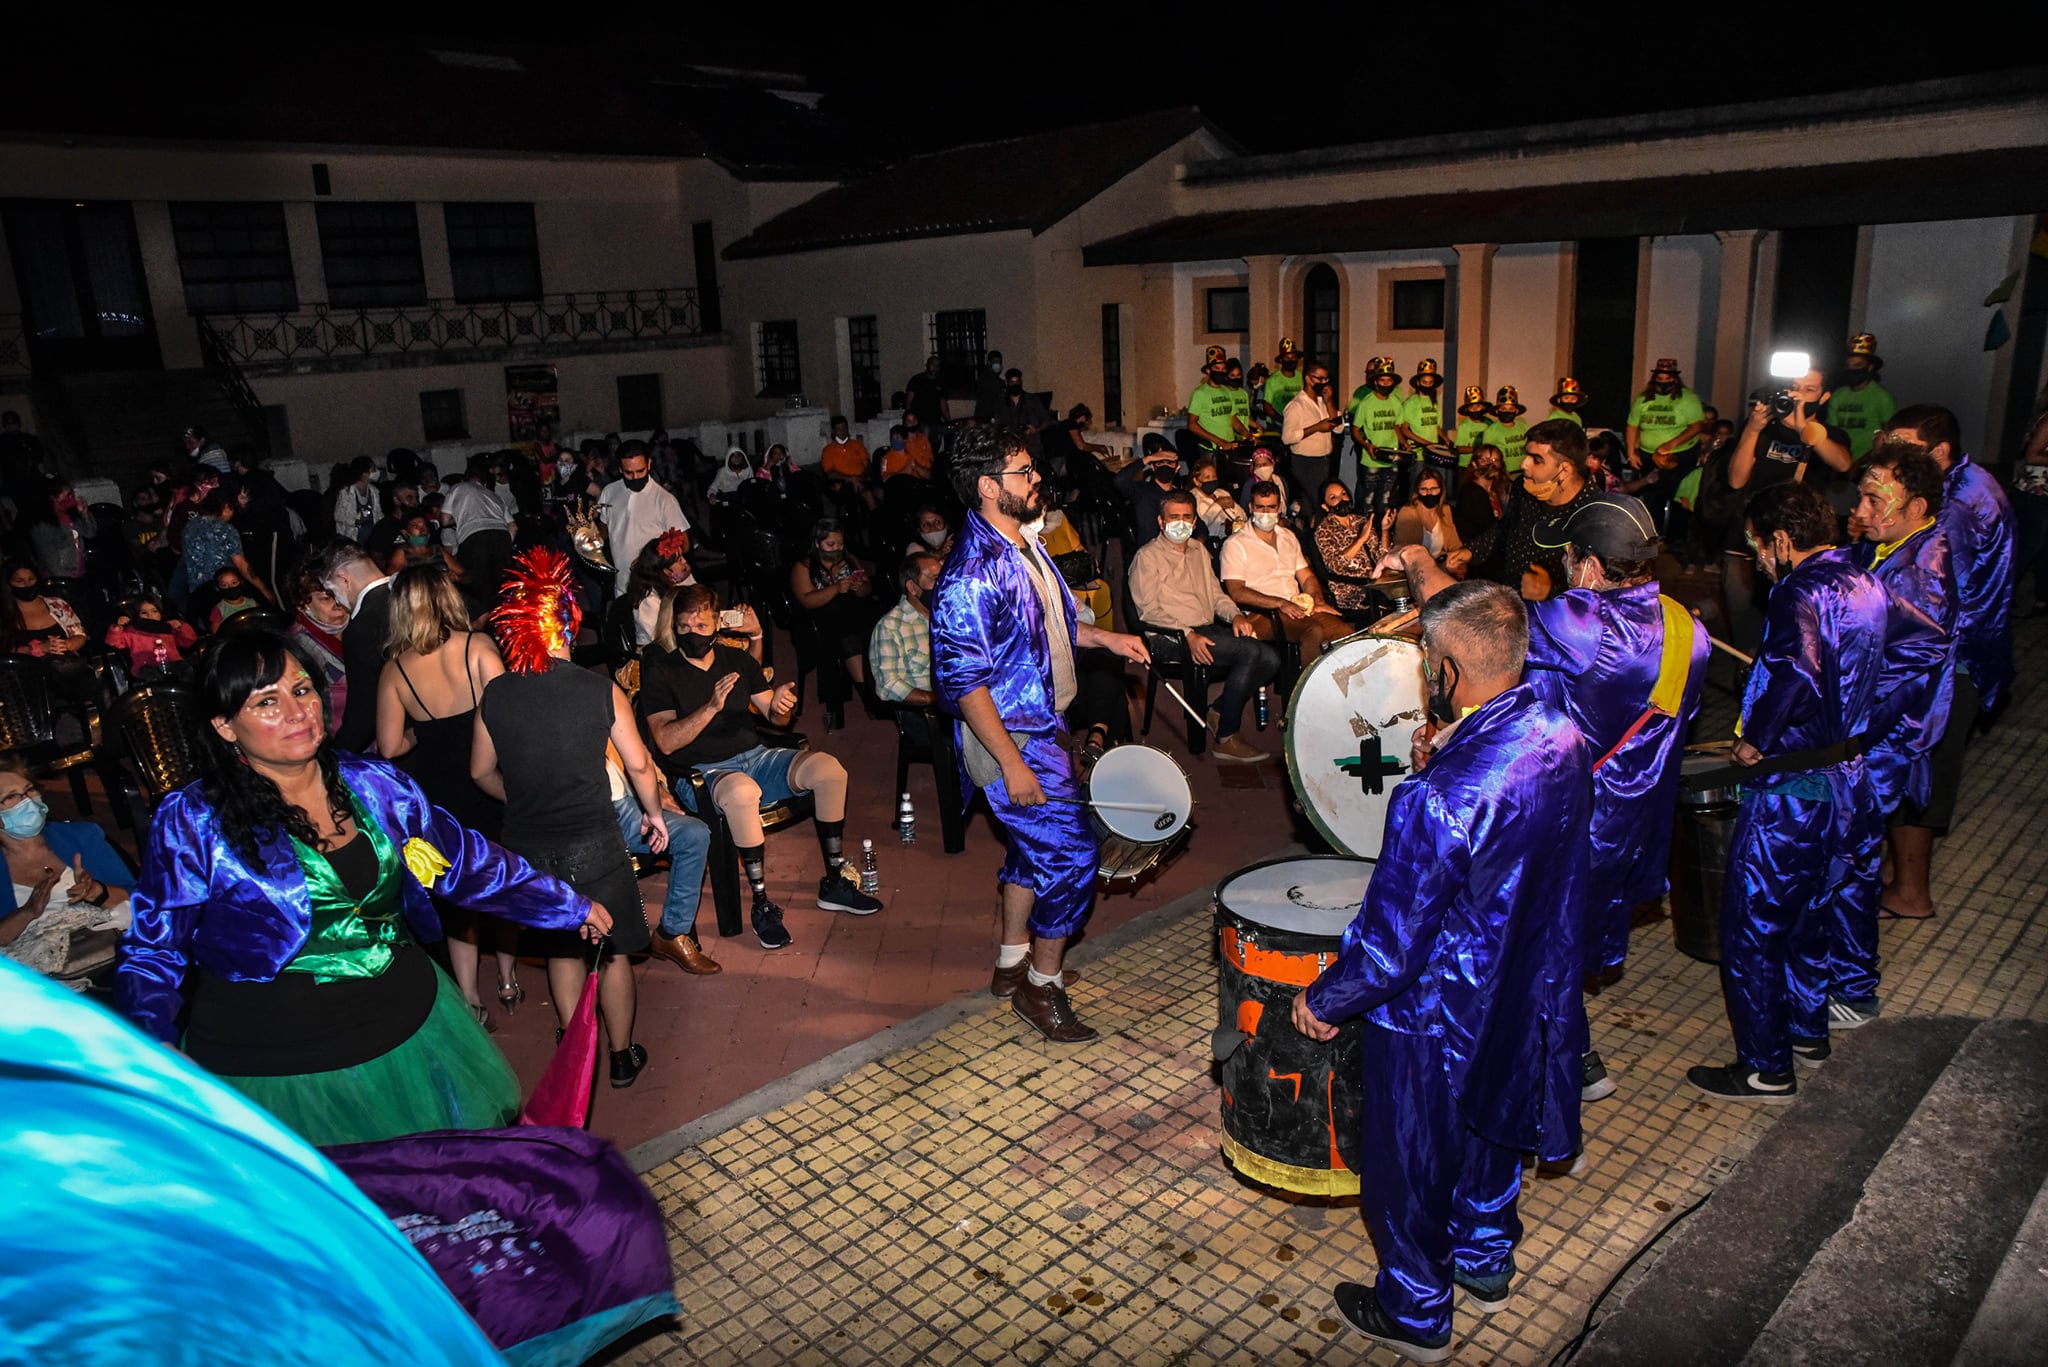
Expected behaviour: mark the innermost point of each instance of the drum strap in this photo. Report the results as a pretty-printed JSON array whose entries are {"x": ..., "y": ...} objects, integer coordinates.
[{"x": 1667, "y": 694}]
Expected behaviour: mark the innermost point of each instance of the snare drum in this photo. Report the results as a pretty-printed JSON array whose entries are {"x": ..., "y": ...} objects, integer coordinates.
[
  {"x": 1153, "y": 802},
  {"x": 1290, "y": 1103},
  {"x": 1350, "y": 722}
]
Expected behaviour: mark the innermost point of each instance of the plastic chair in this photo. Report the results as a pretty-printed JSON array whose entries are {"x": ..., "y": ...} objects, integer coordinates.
[
  {"x": 939, "y": 752},
  {"x": 722, "y": 860},
  {"x": 28, "y": 724},
  {"x": 155, "y": 726},
  {"x": 1170, "y": 651}
]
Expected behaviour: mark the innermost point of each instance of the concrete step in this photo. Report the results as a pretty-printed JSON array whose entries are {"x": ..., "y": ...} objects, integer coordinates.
[
  {"x": 1712, "y": 1291},
  {"x": 1903, "y": 1279},
  {"x": 2011, "y": 1328}
]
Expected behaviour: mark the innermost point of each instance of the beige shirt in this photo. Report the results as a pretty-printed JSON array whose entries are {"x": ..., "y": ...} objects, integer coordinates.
[
  {"x": 1271, "y": 570},
  {"x": 1175, "y": 586},
  {"x": 1304, "y": 411}
]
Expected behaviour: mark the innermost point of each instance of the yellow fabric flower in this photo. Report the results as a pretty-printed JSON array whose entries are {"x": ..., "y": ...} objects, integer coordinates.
[{"x": 426, "y": 862}]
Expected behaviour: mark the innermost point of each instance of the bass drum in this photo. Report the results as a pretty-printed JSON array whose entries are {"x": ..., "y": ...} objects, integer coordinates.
[
  {"x": 1290, "y": 1104},
  {"x": 1349, "y": 724}
]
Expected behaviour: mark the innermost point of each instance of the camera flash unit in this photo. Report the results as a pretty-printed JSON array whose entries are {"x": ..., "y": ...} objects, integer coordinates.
[{"x": 1790, "y": 365}]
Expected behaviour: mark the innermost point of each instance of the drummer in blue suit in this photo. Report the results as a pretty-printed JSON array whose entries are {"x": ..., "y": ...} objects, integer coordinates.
[{"x": 1465, "y": 962}]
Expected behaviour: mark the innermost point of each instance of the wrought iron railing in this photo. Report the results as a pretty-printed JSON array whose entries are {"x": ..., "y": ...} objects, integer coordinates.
[
  {"x": 234, "y": 386},
  {"x": 441, "y": 326},
  {"x": 14, "y": 357}
]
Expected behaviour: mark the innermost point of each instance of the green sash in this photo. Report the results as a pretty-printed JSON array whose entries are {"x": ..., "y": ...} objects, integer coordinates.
[{"x": 352, "y": 939}]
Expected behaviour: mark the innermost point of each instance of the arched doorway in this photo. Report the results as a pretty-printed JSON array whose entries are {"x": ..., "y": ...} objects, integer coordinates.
[{"x": 1321, "y": 316}]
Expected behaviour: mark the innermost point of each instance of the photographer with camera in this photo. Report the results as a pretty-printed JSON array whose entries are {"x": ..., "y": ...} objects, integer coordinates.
[{"x": 1782, "y": 436}]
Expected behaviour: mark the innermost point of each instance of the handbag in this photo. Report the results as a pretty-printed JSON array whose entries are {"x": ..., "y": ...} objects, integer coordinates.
[{"x": 1077, "y": 568}]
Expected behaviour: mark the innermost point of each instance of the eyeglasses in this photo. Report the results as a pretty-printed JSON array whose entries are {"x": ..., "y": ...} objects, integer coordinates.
[
  {"x": 1029, "y": 472},
  {"x": 13, "y": 799}
]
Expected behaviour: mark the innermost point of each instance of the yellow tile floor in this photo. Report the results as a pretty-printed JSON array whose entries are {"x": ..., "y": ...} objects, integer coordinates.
[{"x": 983, "y": 1197}]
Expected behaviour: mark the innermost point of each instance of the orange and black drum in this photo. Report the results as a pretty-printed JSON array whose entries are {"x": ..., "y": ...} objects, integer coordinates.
[{"x": 1290, "y": 1103}]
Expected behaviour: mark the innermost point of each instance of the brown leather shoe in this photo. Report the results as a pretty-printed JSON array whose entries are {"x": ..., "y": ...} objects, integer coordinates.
[
  {"x": 1006, "y": 979},
  {"x": 684, "y": 952},
  {"x": 1047, "y": 1010}
]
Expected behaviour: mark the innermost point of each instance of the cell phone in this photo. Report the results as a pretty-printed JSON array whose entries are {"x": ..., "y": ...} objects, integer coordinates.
[{"x": 732, "y": 619}]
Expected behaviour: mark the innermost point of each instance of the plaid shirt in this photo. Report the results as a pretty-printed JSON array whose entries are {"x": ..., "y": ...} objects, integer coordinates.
[{"x": 900, "y": 652}]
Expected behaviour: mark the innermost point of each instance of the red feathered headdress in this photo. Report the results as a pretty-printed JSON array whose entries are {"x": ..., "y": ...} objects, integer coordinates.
[
  {"x": 538, "y": 613},
  {"x": 671, "y": 544}
]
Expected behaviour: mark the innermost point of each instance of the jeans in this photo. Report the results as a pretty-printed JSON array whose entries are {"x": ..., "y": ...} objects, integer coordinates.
[
  {"x": 1378, "y": 490},
  {"x": 689, "y": 841},
  {"x": 1245, "y": 662}
]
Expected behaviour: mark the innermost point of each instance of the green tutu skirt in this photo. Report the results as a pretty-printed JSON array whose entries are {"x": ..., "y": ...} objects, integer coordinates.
[{"x": 447, "y": 1076}]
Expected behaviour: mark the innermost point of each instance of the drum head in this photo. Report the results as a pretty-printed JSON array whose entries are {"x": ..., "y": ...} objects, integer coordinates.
[
  {"x": 1141, "y": 776},
  {"x": 1364, "y": 691},
  {"x": 1317, "y": 895}
]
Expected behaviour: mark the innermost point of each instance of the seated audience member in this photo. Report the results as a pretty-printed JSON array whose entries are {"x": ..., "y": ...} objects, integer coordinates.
[
  {"x": 837, "y": 592},
  {"x": 1217, "y": 508},
  {"x": 63, "y": 877},
  {"x": 900, "y": 648},
  {"x": 211, "y": 545},
  {"x": 845, "y": 463},
  {"x": 231, "y": 597},
  {"x": 934, "y": 534},
  {"x": 1426, "y": 520},
  {"x": 660, "y": 568},
  {"x": 1173, "y": 586},
  {"x": 44, "y": 625},
  {"x": 732, "y": 477},
  {"x": 1148, "y": 479},
  {"x": 418, "y": 542},
  {"x": 1263, "y": 567},
  {"x": 1068, "y": 452},
  {"x": 318, "y": 618},
  {"x": 1350, "y": 546},
  {"x": 1481, "y": 496},
  {"x": 1266, "y": 468},
  {"x": 909, "y": 454},
  {"x": 697, "y": 704},
  {"x": 59, "y": 526},
  {"x": 154, "y": 640}
]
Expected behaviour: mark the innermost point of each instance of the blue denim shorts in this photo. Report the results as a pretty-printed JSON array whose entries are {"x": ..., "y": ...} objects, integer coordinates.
[{"x": 768, "y": 768}]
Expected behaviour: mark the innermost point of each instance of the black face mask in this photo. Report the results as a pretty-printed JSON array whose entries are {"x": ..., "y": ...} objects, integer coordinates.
[
  {"x": 636, "y": 485},
  {"x": 28, "y": 593},
  {"x": 1340, "y": 509},
  {"x": 1015, "y": 389},
  {"x": 695, "y": 644},
  {"x": 1442, "y": 710},
  {"x": 1429, "y": 500}
]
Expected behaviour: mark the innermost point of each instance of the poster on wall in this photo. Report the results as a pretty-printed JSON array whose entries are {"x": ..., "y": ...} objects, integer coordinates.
[{"x": 531, "y": 400}]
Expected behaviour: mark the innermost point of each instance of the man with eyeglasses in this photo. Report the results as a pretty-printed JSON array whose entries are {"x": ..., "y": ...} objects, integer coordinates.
[
  {"x": 1307, "y": 426},
  {"x": 1004, "y": 635}
]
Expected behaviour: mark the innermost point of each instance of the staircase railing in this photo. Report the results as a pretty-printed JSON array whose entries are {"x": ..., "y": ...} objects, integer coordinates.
[{"x": 234, "y": 385}]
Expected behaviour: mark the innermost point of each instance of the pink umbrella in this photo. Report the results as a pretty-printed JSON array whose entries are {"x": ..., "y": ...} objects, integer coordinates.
[{"x": 562, "y": 1096}]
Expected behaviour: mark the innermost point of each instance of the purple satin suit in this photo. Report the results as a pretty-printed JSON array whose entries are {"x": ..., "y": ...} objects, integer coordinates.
[
  {"x": 1977, "y": 519},
  {"x": 1797, "y": 835},
  {"x": 1465, "y": 962},
  {"x": 989, "y": 631}
]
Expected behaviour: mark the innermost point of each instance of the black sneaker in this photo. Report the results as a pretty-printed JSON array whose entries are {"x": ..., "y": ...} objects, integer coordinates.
[
  {"x": 837, "y": 892},
  {"x": 1734, "y": 1082},
  {"x": 626, "y": 1064},
  {"x": 1846, "y": 1013},
  {"x": 1485, "y": 1294},
  {"x": 1811, "y": 1053},
  {"x": 1594, "y": 1084},
  {"x": 1361, "y": 1310},
  {"x": 768, "y": 925}
]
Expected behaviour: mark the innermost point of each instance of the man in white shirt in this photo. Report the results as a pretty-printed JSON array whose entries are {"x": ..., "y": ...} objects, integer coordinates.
[
  {"x": 1263, "y": 567},
  {"x": 1305, "y": 429},
  {"x": 1174, "y": 588},
  {"x": 636, "y": 510},
  {"x": 481, "y": 509}
]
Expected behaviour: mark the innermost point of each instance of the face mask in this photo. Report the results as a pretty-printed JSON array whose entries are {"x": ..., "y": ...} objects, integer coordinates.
[
  {"x": 636, "y": 485},
  {"x": 1429, "y": 500},
  {"x": 419, "y": 540},
  {"x": 1015, "y": 389},
  {"x": 1541, "y": 489},
  {"x": 1035, "y": 528},
  {"x": 1265, "y": 522},
  {"x": 1177, "y": 532},
  {"x": 830, "y": 557},
  {"x": 932, "y": 539},
  {"x": 1342, "y": 508},
  {"x": 28, "y": 593},
  {"x": 1261, "y": 472},
  {"x": 1443, "y": 688},
  {"x": 695, "y": 644},
  {"x": 231, "y": 590},
  {"x": 26, "y": 818},
  {"x": 1665, "y": 386},
  {"x": 1383, "y": 387}
]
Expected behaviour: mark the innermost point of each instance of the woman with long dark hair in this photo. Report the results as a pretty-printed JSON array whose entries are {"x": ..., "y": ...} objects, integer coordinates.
[{"x": 278, "y": 919}]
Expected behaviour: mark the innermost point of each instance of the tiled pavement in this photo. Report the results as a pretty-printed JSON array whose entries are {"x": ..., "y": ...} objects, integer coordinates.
[{"x": 978, "y": 1196}]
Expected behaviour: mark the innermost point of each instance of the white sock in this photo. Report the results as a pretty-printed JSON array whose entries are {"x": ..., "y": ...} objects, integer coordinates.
[
  {"x": 1009, "y": 956},
  {"x": 1038, "y": 979}
]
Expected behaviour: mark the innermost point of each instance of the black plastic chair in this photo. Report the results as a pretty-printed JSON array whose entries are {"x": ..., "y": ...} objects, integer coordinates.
[
  {"x": 259, "y": 618},
  {"x": 1170, "y": 652},
  {"x": 155, "y": 726},
  {"x": 28, "y": 725},
  {"x": 939, "y": 752},
  {"x": 723, "y": 858}
]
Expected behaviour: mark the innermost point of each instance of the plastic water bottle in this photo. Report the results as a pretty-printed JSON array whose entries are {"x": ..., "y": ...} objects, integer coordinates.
[
  {"x": 1262, "y": 707},
  {"x": 870, "y": 877},
  {"x": 906, "y": 820}
]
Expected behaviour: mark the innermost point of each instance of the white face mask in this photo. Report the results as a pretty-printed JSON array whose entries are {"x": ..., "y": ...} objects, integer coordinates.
[
  {"x": 1035, "y": 528},
  {"x": 1265, "y": 522},
  {"x": 1054, "y": 517},
  {"x": 1177, "y": 532},
  {"x": 932, "y": 539}
]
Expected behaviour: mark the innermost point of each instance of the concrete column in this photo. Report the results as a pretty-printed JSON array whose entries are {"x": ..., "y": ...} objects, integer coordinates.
[
  {"x": 1734, "y": 318},
  {"x": 309, "y": 267},
  {"x": 1567, "y": 306},
  {"x": 175, "y": 333},
  {"x": 1645, "y": 260},
  {"x": 1475, "y": 300},
  {"x": 1266, "y": 312},
  {"x": 434, "y": 267}
]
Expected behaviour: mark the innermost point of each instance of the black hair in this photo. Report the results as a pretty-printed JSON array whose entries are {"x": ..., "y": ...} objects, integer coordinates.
[
  {"x": 1931, "y": 423},
  {"x": 249, "y": 806},
  {"x": 1155, "y": 443},
  {"x": 1265, "y": 487},
  {"x": 636, "y": 447},
  {"x": 1565, "y": 438},
  {"x": 1800, "y": 511},
  {"x": 982, "y": 451},
  {"x": 648, "y": 572},
  {"x": 1918, "y": 473}
]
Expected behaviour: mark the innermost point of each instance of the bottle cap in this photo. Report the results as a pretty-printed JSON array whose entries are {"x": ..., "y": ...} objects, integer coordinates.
[{"x": 867, "y": 844}]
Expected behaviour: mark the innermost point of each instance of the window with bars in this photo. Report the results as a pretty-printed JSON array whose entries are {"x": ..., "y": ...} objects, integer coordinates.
[
  {"x": 959, "y": 338},
  {"x": 1112, "y": 365},
  {"x": 864, "y": 346},
  {"x": 442, "y": 416},
  {"x": 776, "y": 368},
  {"x": 640, "y": 402},
  {"x": 493, "y": 252},
  {"x": 234, "y": 258},
  {"x": 371, "y": 253}
]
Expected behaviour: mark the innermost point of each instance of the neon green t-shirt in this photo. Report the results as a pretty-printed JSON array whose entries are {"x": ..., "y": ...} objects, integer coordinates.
[
  {"x": 1860, "y": 412},
  {"x": 1212, "y": 406},
  {"x": 1470, "y": 432},
  {"x": 1660, "y": 417},
  {"x": 1241, "y": 403},
  {"x": 1377, "y": 422},
  {"x": 1281, "y": 389},
  {"x": 1556, "y": 412},
  {"x": 1424, "y": 416},
  {"x": 1510, "y": 440}
]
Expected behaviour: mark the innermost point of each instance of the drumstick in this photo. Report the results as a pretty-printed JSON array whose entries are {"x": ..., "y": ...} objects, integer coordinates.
[
  {"x": 1200, "y": 720},
  {"x": 1155, "y": 808},
  {"x": 1724, "y": 646}
]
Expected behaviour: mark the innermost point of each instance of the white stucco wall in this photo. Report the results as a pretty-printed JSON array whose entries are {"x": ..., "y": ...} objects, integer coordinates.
[
  {"x": 1684, "y": 292},
  {"x": 1523, "y": 319}
]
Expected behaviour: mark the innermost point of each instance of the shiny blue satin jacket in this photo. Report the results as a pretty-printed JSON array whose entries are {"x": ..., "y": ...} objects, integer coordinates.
[
  {"x": 1916, "y": 680},
  {"x": 200, "y": 903},
  {"x": 1814, "y": 683},
  {"x": 988, "y": 631},
  {"x": 1470, "y": 928},
  {"x": 1594, "y": 656},
  {"x": 1977, "y": 519}
]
